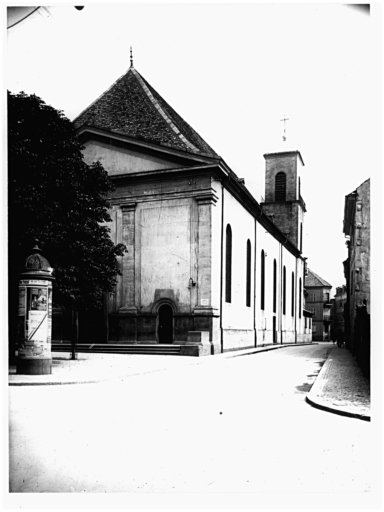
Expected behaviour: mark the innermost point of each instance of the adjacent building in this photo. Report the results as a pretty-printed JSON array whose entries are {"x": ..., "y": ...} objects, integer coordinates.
[
  {"x": 357, "y": 229},
  {"x": 339, "y": 305},
  {"x": 318, "y": 302},
  {"x": 205, "y": 260}
]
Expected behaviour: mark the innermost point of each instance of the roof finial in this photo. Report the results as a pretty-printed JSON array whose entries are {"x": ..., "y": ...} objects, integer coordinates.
[
  {"x": 131, "y": 58},
  {"x": 285, "y": 119}
]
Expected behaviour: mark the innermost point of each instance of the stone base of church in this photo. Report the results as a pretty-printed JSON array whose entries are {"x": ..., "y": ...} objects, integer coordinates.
[{"x": 142, "y": 328}]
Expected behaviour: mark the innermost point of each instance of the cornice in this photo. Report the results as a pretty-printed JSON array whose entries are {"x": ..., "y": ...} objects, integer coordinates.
[{"x": 127, "y": 141}]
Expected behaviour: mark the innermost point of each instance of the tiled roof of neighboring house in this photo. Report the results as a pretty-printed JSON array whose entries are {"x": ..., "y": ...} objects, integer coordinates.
[
  {"x": 313, "y": 279},
  {"x": 132, "y": 107}
]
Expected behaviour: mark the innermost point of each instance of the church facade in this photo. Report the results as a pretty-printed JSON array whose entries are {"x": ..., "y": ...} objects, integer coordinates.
[{"x": 206, "y": 264}]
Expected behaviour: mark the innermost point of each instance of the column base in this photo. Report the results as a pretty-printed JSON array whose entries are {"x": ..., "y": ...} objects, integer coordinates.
[{"x": 35, "y": 366}]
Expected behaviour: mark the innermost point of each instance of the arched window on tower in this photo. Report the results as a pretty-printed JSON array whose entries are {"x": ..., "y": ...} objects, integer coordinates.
[
  {"x": 280, "y": 186},
  {"x": 274, "y": 285},
  {"x": 228, "y": 264},
  {"x": 293, "y": 295},
  {"x": 248, "y": 275},
  {"x": 284, "y": 289},
  {"x": 262, "y": 280}
]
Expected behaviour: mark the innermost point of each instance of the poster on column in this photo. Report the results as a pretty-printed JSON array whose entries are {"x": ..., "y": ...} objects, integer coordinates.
[
  {"x": 37, "y": 315},
  {"x": 37, "y": 325}
]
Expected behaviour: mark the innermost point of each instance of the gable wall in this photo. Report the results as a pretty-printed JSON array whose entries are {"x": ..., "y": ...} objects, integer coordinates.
[{"x": 123, "y": 161}]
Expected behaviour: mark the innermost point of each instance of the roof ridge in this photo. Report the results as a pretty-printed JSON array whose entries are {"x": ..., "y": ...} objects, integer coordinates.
[{"x": 161, "y": 111}]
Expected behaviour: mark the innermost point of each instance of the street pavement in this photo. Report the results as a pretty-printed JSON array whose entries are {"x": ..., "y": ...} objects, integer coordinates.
[
  {"x": 191, "y": 428},
  {"x": 339, "y": 387}
]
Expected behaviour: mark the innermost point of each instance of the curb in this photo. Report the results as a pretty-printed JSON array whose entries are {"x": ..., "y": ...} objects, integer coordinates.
[
  {"x": 341, "y": 412},
  {"x": 194, "y": 360},
  {"x": 313, "y": 399}
]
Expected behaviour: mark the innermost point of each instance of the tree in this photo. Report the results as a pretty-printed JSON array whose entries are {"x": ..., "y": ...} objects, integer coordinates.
[{"x": 54, "y": 196}]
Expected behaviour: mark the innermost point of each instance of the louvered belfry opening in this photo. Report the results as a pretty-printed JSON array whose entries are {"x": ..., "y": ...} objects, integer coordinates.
[{"x": 280, "y": 186}]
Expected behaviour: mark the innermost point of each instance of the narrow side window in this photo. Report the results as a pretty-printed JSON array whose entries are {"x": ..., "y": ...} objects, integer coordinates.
[
  {"x": 248, "y": 275},
  {"x": 228, "y": 264},
  {"x": 262, "y": 280}
]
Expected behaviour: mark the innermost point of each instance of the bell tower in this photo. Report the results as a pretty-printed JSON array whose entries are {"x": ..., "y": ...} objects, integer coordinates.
[{"x": 283, "y": 201}]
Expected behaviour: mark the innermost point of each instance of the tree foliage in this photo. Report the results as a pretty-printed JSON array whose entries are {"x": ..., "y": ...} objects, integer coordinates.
[{"x": 54, "y": 196}]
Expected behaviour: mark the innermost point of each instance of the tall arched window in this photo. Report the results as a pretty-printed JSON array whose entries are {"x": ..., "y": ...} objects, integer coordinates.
[
  {"x": 228, "y": 264},
  {"x": 293, "y": 295},
  {"x": 248, "y": 275},
  {"x": 262, "y": 280},
  {"x": 301, "y": 237},
  {"x": 300, "y": 298},
  {"x": 274, "y": 285},
  {"x": 280, "y": 186},
  {"x": 284, "y": 289}
]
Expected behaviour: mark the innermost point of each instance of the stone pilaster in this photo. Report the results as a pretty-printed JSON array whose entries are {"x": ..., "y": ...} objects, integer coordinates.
[
  {"x": 204, "y": 278},
  {"x": 128, "y": 270}
]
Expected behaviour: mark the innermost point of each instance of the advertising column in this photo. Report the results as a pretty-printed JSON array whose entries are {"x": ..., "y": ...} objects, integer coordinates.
[{"x": 35, "y": 317}]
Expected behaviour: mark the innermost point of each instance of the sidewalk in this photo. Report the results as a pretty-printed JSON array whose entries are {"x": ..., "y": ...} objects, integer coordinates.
[
  {"x": 90, "y": 368},
  {"x": 340, "y": 386}
]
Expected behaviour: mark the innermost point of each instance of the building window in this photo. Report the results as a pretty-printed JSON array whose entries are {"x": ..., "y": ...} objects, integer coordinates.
[
  {"x": 301, "y": 237},
  {"x": 228, "y": 265},
  {"x": 293, "y": 295},
  {"x": 280, "y": 186},
  {"x": 313, "y": 295},
  {"x": 262, "y": 280},
  {"x": 274, "y": 285},
  {"x": 284, "y": 289},
  {"x": 248, "y": 276},
  {"x": 300, "y": 297},
  {"x": 327, "y": 297}
]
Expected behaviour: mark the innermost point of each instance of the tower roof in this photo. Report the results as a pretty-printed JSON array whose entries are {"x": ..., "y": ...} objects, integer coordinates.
[
  {"x": 132, "y": 107},
  {"x": 313, "y": 279}
]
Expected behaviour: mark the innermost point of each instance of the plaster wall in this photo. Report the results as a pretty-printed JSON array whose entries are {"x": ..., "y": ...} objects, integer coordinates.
[
  {"x": 124, "y": 161},
  {"x": 164, "y": 252},
  {"x": 287, "y": 319},
  {"x": 237, "y": 317},
  {"x": 264, "y": 318}
]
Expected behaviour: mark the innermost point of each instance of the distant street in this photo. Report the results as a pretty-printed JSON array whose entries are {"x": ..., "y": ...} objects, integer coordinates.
[{"x": 226, "y": 425}]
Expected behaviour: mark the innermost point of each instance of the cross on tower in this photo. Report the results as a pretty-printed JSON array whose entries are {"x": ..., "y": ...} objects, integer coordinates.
[
  {"x": 131, "y": 58},
  {"x": 284, "y": 119}
]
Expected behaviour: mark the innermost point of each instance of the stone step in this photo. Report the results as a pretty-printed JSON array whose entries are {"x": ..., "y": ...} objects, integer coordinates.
[{"x": 109, "y": 348}]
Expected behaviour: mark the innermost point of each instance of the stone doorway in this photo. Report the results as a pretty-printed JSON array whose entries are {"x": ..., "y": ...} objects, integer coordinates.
[{"x": 165, "y": 324}]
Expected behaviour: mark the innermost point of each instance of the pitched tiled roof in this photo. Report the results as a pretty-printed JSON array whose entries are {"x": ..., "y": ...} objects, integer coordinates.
[
  {"x": 132, "y": 107},
  {"x": 313, "y": 279}
]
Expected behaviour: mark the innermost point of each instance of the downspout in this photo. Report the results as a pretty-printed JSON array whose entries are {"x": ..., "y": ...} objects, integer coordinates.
[
  {"x": 281, "y": 295},
  {"x": 221, "y": 270},
  {"x": 254, "y": 288},
  {"x": 296, "y": 300}
]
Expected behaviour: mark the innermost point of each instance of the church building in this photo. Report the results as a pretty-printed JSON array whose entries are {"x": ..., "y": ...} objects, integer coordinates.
[{"x": 207, "y": 267}]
